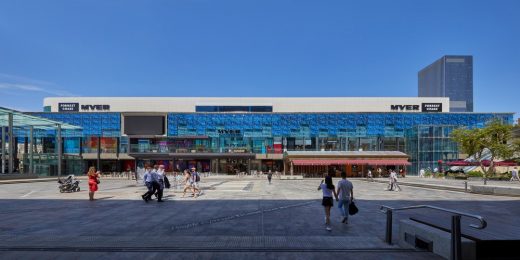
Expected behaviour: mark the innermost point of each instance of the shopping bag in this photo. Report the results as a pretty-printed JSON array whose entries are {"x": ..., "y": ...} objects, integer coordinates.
[{"x": 352, "y": 208}]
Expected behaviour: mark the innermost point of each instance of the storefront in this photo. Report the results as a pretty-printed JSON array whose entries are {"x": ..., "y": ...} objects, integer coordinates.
[{"x": 354, "y": 163}]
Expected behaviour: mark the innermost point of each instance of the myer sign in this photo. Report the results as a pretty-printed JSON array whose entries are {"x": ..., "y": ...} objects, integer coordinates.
[
  {"x": 95, "y": 107},
  {"x": 424, "y": 107},
  {"x": 404, "y": 107}
]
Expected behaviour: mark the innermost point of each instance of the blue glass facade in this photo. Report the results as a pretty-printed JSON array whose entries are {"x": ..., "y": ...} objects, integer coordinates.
[
  {"x": 263, "y": 133},
  {"x": 320, "y": 124}
]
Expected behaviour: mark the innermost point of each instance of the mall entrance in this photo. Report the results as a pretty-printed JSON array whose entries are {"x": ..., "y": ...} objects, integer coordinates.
[{"x": 220, "y": 163}]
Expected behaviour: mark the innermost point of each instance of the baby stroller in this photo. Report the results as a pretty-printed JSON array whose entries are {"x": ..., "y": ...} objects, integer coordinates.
[{"x": 70, "y": 184}]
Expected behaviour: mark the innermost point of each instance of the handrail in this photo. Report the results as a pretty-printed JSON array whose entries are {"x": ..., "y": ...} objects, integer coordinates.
[
  {"x": 456, "y": 234},
  {"x": 483, "y": 222}
]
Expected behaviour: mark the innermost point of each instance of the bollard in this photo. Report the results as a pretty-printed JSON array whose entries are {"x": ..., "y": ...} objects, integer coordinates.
[
  {"x": 388, "y": 236},
  {"x": 456, "y": 238},
  {"x": 485, "y": 181},
  {"x": 465, "y": 186}
]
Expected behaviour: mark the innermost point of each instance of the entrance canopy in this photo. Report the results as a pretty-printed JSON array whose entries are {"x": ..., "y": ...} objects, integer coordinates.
[
  {"x": 351, "y": 162},
  {"x": 347, "y": 158},
  {"x": 21, "y": 120}
]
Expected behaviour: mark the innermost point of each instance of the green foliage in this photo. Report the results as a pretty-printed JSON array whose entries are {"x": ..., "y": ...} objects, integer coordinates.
[
  {"x": 474, "y": 174},
  {"x": 495, "y": 137}
]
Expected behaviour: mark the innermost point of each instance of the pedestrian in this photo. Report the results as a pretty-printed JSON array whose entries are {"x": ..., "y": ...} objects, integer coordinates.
[
  {"x": 93, "y": 181},
  {"x": 421, "y": 173},
  {"x": 269, "y": 176},
  {"x": 369, "y": 175},
  {"x": 379, "y": 171},
  {"x": 195, "y": 182},
  {"x": 514, "y": 175},
  {"x": 160, "y": 179},
  {"x": 187, "y": 182},
  {"x": 346, "y": 195},
  {"x": 148, "y": 182},
  {"x": 327, "y": 201},
  {"x": 393, "y": 181}
]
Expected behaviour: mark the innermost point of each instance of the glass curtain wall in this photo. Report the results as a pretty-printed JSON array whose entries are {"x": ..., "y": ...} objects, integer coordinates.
[{"x": 427, "y": 145}]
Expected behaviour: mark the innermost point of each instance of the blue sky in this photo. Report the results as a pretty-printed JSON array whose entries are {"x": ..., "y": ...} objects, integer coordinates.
[{"x": 252, "y": 48}]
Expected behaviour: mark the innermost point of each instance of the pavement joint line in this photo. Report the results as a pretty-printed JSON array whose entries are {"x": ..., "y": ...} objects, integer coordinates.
[
  {"x": 203, "y": 249},
  {"x": 240, "y": 215}
]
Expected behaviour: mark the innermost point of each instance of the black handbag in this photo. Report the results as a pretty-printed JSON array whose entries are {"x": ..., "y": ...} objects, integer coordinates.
[
  {"x": 166, "y": 182},
  {"x": 97, "y": 180},
  {"x": 352, "y": 208}
]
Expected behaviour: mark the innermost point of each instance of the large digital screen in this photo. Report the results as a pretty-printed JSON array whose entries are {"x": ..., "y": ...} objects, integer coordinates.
[{"x": 144, "y": 125}]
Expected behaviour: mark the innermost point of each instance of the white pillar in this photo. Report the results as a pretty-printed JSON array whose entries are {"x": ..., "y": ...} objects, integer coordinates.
[{"x": 60, "y": 152}]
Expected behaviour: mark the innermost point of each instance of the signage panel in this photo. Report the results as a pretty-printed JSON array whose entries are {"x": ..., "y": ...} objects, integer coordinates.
[
  {"x": 68, "y": 107},
  {"x": 431, "y": 107}
]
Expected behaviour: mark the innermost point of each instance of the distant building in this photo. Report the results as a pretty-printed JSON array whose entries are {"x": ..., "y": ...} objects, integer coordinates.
[{"x": 450, "y": 76}]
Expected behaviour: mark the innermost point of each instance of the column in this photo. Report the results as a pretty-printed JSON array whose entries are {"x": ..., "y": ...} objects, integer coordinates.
[
  {"x": 3, "y": 148},
  {"x": 60, "y": 149},
  {"x": 249, "y": 165},
  {"x": 31, "y": 150},
  {"x": 98, "y": 159},
  {"x": 11, "y": 144}
]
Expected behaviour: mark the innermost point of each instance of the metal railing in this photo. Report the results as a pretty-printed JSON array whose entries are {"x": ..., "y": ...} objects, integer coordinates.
[{"x": 456, "y": 235}]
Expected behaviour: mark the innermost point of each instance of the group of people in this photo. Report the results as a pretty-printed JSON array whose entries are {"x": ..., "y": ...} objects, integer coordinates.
[
  {"x": 155, "y": 180},
  {"x": 344, "y": 195},
  {"x": 191, "y": 182},
  {"x": 392, "y": 182}
]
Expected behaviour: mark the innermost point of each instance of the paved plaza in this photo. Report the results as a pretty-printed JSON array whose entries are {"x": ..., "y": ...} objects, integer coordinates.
[{"x": 234, "y": 218}]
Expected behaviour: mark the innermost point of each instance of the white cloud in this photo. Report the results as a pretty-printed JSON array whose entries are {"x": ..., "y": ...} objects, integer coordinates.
[{"x": 11, "y": 83}]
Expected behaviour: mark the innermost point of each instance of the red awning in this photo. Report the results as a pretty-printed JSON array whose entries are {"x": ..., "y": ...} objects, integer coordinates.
[
  {"x": 351, "y": 162},
  {"x": 485, "y": 162}
]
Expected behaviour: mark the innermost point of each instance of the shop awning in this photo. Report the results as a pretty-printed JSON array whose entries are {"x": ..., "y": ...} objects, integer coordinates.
[
  {"x": 485, "y": 162},
  {"x": 352, "y": 162}
]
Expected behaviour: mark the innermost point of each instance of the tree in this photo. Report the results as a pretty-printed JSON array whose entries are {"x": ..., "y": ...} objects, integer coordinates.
[{"x": 495, "y": 138}]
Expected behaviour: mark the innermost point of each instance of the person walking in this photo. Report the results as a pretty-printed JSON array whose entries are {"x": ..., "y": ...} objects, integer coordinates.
[
  {"x": 148, "y": 182},
  {"x": 93, "y": 181},
  {"x": 327, "y": 202},
  {"x": 421, "y": 173},
  {"x": 187, "y": 182},
  {"x": 393, "y": 181},
  {"x": 346, "y": 195},
  {"x": 160, "y": 180},
  {"x": 379, "y": 171},
  {"x": 514, "y": 175},
  {"x": 269, "y": 176},
  {"x": 195, "y": 182},
  {"x": 369, "y": 175}
]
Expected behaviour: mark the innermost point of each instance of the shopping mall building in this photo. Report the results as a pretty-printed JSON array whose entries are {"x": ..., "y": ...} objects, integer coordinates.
[{"x": 292, "y": 135}]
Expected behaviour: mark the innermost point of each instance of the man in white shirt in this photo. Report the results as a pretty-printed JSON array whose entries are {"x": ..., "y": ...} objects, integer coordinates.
[
  {"x": 345, "y": 196},
  {"x": 160, "y": 177},
  {"x": 421, "y": 173},
  {"x": 369, "y": 175}
]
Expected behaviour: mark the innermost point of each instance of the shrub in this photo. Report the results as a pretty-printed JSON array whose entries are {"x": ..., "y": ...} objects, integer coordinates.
[{"x": 474, "y": 174}]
